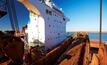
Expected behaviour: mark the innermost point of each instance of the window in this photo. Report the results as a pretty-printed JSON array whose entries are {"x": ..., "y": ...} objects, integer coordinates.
[
  {"x": 49, "y": 25},
  {"x": 63, "y": 19},
  {"x": 58, "y": 33},
  {"x": 48, "y": 12}
]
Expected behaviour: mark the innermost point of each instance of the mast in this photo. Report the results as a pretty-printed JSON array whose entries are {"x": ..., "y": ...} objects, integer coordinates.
[{"x": 100, "y": 34}]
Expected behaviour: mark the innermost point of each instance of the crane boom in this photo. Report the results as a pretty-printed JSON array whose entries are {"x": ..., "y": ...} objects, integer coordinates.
[
  {"x": 12, "y": 14},
  {"x": 2, "y": 8}
]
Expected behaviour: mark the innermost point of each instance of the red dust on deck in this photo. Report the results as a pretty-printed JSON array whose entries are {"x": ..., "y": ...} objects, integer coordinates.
[{"x": 77, "y": 50}]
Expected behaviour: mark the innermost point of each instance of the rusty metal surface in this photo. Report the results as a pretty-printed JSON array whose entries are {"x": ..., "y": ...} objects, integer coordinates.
[
  {"x": 78, "y": 51},
  {"x": 89, "y": 57},
  {"x": 12, "y": 48},
  {"x": 73, "y": 56}
]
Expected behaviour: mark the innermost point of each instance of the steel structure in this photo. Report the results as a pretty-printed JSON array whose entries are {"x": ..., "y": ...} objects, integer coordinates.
[
  {"x": 8, "y": 7},
  {"x": 3, "y": 11}
]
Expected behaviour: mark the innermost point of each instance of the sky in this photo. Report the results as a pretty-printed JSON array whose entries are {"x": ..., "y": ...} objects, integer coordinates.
[
  {"x": 22, "y": 17},
  {"x": 83, "y": 15}
]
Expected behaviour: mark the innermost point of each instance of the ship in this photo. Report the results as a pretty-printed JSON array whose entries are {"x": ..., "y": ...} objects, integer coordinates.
[
  {"x": 43, "y": 40},
  {"x": 47, "y": 26}
]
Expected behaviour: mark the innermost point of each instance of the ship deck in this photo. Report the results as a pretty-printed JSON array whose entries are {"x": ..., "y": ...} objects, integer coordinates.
[
  {"x": 73, "y": 51},
  {"x": 90, "y": 54}
]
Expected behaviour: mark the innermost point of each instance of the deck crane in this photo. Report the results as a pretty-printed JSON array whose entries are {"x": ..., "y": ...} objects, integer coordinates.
[
  {"x": 2, "y": 8},
  {"x": 8, "y": 7}
]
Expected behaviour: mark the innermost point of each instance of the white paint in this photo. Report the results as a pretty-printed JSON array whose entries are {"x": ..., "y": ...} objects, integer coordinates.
[
  {"x": 36, "y": 30},
  {"x": 50, "y": 30}
]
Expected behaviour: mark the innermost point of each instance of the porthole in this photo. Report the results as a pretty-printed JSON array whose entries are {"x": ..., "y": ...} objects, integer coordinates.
[{"x": 49, "y": 25}]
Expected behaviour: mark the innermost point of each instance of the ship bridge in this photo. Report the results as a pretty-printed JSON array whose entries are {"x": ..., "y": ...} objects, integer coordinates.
[{"x": 46, "y": 25}]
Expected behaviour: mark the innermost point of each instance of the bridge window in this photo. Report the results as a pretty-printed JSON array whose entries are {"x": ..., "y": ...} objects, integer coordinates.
[
  {"x": 63, "y": 19},
  {"x": 48, "y": 12}
]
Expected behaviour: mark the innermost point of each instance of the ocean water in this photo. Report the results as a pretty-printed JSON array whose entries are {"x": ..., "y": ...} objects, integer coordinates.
[{"x": 94, "y": 36}]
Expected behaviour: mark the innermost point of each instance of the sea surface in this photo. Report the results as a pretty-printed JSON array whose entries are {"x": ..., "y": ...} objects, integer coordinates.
[{"x": 94, "y": 36}]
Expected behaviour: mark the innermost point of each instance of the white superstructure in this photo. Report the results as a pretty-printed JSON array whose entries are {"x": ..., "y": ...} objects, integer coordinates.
[{"x": 47, "y": 25}]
